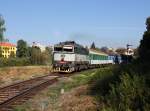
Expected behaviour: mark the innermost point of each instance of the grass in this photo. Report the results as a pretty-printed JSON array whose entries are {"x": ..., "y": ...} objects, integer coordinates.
[
  {"x": 115, "y": 88},
  {"x": 48, "y": 99},
  {"x": 12, "y": 75},
  {"x": 121, "y": 89}
]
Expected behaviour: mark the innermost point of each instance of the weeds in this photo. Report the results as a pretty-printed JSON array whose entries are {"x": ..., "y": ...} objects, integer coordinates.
[
  {"x": 121, "y": 89},
  {"x": 54, "y": 92}
]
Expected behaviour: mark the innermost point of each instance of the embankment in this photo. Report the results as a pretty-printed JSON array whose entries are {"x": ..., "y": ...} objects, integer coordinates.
[{"x": 9, "y": 75}]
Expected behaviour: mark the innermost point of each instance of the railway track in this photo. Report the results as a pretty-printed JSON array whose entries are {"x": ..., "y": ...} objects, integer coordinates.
[{"x": 18, "y": 93}]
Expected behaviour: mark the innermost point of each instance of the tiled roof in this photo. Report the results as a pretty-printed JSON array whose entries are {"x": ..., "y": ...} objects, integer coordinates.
[{"x": 7, "y": 44}]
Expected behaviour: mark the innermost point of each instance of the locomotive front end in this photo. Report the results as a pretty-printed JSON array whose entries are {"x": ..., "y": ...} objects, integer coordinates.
[{"x": 63, "y": 58}]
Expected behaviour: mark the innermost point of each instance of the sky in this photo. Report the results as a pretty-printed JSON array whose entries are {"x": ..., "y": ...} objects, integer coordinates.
[{"x": 111, "y": 23}]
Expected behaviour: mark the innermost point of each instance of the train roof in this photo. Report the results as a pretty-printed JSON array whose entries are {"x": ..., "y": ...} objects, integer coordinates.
[
  {"x": 95, "y": 51},
  {"x": 69, "y": 43}
]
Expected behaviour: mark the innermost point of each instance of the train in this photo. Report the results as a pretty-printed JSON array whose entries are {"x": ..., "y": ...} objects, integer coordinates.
[{"x": 70, "y": 57}]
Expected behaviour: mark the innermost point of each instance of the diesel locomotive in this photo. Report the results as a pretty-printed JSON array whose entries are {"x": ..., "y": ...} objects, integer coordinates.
[{"x": 69, "y": 57}]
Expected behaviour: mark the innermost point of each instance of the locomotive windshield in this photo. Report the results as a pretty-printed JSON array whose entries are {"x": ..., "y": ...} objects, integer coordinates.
[
  {"x": 58, "y": 48},
  {"x": 65, "y": 49},
  {"x": 68, "y": 48}
]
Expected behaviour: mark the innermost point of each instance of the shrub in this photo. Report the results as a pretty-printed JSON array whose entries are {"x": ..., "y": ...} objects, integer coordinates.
[
  {"x": 101, "y": 80},
  {"x": 121, "y": 88},
  {"x": 14, "y": 62},
  {"x": 129, "y": 95}
]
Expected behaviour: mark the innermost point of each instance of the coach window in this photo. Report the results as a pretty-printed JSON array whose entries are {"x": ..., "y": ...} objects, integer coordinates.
[{"x": 103, "y": 57}]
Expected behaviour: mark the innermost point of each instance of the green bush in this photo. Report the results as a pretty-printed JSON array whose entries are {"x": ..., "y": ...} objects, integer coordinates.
[
  {"x": 121, "y": 89},
  {"x": 130, "y": 94},
  {"x": 102, "y": 79},
  {"x": 14, "y": 62},
  {"x": 100, "y": 82}
]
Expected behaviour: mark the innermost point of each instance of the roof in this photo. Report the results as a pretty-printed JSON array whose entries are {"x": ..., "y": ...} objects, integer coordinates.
[
  {"x": 97, "y": 52},
  {"x": 69, "y": 43},
  {"x": 7, "y": 44}
]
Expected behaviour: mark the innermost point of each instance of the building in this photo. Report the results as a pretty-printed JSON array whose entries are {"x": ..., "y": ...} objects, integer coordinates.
[
  {"x": 7, "y": 49},
  {"x": 129, "y": 52}
]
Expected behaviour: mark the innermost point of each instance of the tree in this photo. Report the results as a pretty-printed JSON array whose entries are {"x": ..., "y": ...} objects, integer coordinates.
[
  {"x": 1, "y": 53},
  {"x": 29, "y": 49},
  {"x": 45, "y": 58},
  {"x": 136, "y": 53},
  {"x": 12, "y": 54},
  {"x": 22, "y": 49},
  {"x": 144, "y": 48},
  {"x": 104, "y": 49},
  {"x": 35, "y": 55},
  {"x": 121, "y": 50},
  {"x": 48, "y": 52},
  {"x": 93, "y": 46},
  {"x": 2, "y": 28}
]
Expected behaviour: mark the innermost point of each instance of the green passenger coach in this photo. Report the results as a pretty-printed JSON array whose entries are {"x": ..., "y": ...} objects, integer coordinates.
[{"x": 97, "y": 57}]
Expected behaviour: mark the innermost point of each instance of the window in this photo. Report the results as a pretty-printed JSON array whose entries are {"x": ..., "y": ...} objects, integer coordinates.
[
  {"x": 68, "y": 50},
  {"x": 57, "y": 48}
]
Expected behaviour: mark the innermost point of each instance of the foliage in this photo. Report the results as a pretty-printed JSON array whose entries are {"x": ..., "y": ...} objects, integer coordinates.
[
  {"x": 35, "y": 55},
  {"x": 144, "y": 48},
  {"x": 121, "y": 50},
  {"x": 29, "y": 49},
  {"x": 1, "y": 52},
  {"x": 130, "y": 94},
  {"x": 14, "y": 62},
  {"x": 12, "y": 55},
  {"x": 101, "y": 80},
  {"x": 38, "y": 57},
  {"x": 48, "y": 52},
  {"x": 2, "y": 28},
  {"x": 45, "y": 58},
  {"x": 22, "y": 48},
  {"x": 51, "y": 97},
  {"x": 104, "y": 49},
  {"x": 121, "y": 89},
  {"x": 27, "y": 56},
  {"x": 93, "y": 46}
]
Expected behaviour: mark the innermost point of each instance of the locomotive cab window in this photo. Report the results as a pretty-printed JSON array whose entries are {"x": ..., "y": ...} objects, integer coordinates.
[
  {"x": 68, "y": 49},
  {"x": 57, "y": 48}
]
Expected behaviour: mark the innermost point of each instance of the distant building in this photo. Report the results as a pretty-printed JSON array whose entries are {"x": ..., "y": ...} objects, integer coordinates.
[
  {"x": 129, "y": 52},
  {"x": 124, "y": 51},
  {"x": 7, "y": 49}
]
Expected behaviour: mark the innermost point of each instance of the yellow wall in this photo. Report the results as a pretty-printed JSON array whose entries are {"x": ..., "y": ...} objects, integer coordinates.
[{"x": 7, "y": 50}]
